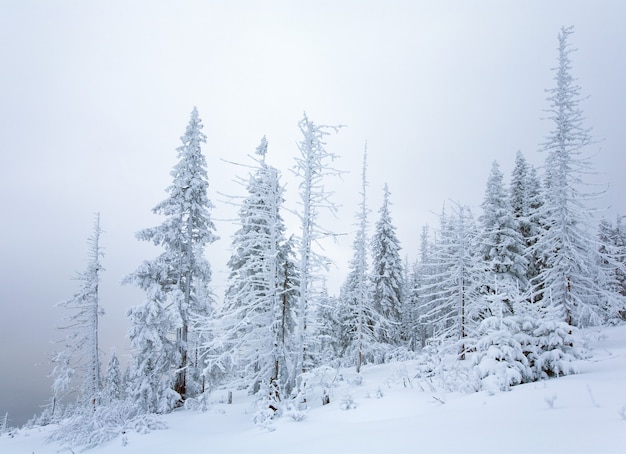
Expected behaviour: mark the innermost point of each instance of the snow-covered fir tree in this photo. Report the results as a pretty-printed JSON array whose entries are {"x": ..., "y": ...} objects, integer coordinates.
[
  {"x": 175, "y": 282},
  {"x": 96, "y": 417},
  {"x": 526, "y": 199},
  {"x": 501, "y": 243},
  {"x": 568, "y": 280},
  {"x": 77, "y": 365},
  {"x": 612, "y": 268},
  {"x": 551, "y": 345},
  {"x": 417, "y": 329},
  {"x": 357, "y": 315},
  {"x": 500, "y": 361},
  {"x": 408, "y": 321},
  {"x": 313, "y": 165},
  {"x": 289, "y": 297},
  {"x": 332, "y": 335},
  {"x": 155, "y": 356},
  {"x": 450, "y": 289},
  {"x": 258, "y": 313},
  {"x": 409, "y": 318},
  {"x": 387, "y": 276},
  {"x": 200, "y": 332},
  {"x": 4, "y": 424},
  {"x": 112, "y": 384}
]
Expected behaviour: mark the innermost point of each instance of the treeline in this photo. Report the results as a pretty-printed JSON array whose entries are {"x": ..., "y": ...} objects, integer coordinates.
[{"x": 502, "y": 293}]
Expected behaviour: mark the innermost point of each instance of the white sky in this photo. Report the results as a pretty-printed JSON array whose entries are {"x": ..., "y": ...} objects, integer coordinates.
[{"x": 95, "y": 95}]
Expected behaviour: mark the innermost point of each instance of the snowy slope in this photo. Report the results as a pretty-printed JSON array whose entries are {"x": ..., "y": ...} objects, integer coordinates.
[{"x": 584, "y": 413}]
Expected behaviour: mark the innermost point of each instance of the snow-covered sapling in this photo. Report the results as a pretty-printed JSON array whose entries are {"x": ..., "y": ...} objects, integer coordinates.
[
  {"x": 4, "y": 426},
  {"x": 347, "y": 403},
  {"x": 549, "y": 400}
]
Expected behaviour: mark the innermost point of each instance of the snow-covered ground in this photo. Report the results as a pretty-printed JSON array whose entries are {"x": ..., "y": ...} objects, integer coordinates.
[{"x": 396, "y": 413}]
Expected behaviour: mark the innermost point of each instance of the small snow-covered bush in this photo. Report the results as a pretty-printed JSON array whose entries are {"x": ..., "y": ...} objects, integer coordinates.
[
  {"x": 496, "y": 375},
  {"x": 549, "y": 400},
  {"x": 263, "y": 416},
  {"x": 400, "y": 354},
  {"x": 401, "y": 374},
  {"x": 87, "y": 428},
  {"x": 347, "y": 403},
  {"x": 144, "y": 424},
  {"x": 267, "y": 407},
  {"x": 293, "y": 412},
  {"x": 357, "y": 380},
  {"x": 199, "y": 403},
  {"x": 442, "y": 369}
]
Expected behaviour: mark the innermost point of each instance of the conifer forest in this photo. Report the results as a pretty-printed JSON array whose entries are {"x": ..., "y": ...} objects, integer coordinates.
[{"x": 493, "y": 298}]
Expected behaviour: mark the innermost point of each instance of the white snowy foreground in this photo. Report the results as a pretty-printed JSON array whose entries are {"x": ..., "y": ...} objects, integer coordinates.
[{"x": 584, "y": 413}]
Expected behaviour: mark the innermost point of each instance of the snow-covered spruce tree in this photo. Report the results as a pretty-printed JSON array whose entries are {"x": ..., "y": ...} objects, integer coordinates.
[
  {"x": 501, "y": 244},
  {"x": 612, "y": 266},
  {"x": 387, "y": 277},
  {"x": 540, "y": 336},
  {"x": 175, "y": 282},
  {"x": 4, "y": 424},
  {"x": 200, "y": 330},
  {"x": 112, "y": 384},
  {"x": 550, "y": 345},
  {"x": 500, "y": 361},
  {"x": 433, "y": 314},
  {"x": 95, "y": 418},
  {"x": 312, "y": 167},
  {"x": 526, "y": 200},
  {"x": 289, "y": 297},
  {"x": 332, "y": 335},
  {"x": 409, "y": 322},
  {"x": 409, "y": 318},
  {"x": 155, "y": 356},
  {"x": 450, "y": 289},
  {"x": 257, "y": 314},
  {"x": 417, "y": 330},
  {"x": 357, "y": 315},
  {"x": 77, "y": 366},
  {"x": 568, "y": 280}
]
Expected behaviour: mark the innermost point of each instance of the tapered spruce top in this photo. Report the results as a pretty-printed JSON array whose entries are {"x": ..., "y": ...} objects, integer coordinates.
[{"x": 188, "y": 203}]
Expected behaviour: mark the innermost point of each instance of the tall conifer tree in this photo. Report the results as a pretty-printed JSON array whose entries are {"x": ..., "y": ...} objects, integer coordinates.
[
  {"x": 387, "y": 276},
  {"x": 176, "y": 281},
  {"x": 450, "y": 289},
  {"x": 312, "y": 167},
  {"x": 526, "y": 202},
  {"x": 357, "y": 316},
  {"x": 77, "y": 366},
  {"x": 258, "y": 309},
  {"x": 567, "y": 281},
  {"x": 501, "y": 244}
]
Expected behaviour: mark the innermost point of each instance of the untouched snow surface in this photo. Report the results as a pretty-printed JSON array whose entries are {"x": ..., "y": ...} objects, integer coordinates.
[{"x": 396, "y": 413}]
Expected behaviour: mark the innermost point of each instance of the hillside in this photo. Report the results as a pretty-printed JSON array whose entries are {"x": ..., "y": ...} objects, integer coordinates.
[{"x": 394, "y": 412}]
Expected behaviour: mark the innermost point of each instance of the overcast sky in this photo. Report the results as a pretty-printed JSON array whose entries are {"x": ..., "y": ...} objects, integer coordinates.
[{"x": 94, "y": 96}]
